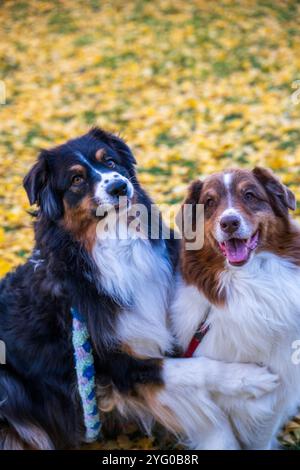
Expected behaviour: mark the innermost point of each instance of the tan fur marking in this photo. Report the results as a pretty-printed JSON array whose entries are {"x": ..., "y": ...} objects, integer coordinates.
[
  {"x": 145, "y": 402},
  {"x": 81, "y": 222},
  {"x": 100, "y": 154},
  {"x": 79, "y": 169}
]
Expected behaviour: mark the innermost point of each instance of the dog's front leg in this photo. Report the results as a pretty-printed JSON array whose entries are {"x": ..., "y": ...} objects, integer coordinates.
[
  {"x": 176, "y": 392},
  {"x": 170, "y": 394}
]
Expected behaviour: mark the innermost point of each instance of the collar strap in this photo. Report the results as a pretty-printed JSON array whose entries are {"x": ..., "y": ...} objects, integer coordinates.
[
  {"x": 196, "y": 339},
  {"x": 85, "y": 371}
]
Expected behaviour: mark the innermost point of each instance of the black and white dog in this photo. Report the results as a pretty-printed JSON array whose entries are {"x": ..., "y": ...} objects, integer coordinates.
[{"x": 121, "y": 286}]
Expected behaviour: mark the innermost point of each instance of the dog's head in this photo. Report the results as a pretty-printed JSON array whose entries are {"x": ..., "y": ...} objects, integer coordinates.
[
  {"x": 69, "y": 182},
  {"x": 244, "y": 211}
]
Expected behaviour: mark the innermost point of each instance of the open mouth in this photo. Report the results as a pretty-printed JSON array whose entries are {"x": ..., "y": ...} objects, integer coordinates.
[{"x": 238, "y": 250}]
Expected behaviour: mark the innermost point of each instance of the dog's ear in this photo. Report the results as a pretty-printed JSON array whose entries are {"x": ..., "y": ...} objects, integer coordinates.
[
  {"x": 39, "y": 190},
  {"x": 115, "y": 141},
  {"x": 194, "y": 192},
  {"x": 281, "y": 198},
  {"x": 35, "y": 180},
  {"x": 187, "y": 216},
  {"x": 123, "y": 149}
]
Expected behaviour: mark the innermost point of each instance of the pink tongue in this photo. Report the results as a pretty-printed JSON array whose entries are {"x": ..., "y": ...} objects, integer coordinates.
[{"x": 236, "y": 250}]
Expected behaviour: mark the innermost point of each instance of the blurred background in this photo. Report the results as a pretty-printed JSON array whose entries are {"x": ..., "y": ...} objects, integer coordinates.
[{"x": 193, "y": 86}]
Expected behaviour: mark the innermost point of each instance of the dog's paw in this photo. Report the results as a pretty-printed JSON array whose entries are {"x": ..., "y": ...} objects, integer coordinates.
[
  {"x": 247, "y": 381},
  {"x": 258, "y": 381}
]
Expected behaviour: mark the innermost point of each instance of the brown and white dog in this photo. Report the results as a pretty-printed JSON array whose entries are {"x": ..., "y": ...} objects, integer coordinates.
[{"x": 245, "y": 284}]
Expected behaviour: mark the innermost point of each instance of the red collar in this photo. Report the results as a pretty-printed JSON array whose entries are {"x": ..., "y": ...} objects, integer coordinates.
[{"x": 196, "y": 339}]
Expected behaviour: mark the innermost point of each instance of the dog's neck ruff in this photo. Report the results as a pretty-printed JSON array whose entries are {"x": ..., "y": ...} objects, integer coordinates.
[{"x": 85, "y": 371}]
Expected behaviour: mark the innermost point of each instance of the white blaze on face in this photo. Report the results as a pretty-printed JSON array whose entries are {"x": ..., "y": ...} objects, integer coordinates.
[
  {"x": 101, "y": 193},
  {"x": 227, "y": 180},
  {"x": 244, "y": 231}
]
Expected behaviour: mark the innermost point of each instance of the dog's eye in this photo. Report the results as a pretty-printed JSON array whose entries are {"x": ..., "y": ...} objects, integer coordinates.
[
  {"x": 110, "y": 163},
  {"x": 77, "y": 179},
  {"x": 249, "y": 196},
  {"x": 209, "y": 202}
]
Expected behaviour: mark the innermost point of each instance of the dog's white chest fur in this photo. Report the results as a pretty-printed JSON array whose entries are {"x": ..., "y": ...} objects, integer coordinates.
[
  {"x": 262, "y": 311},
  {"x": 139, "y": 275},
  {"x": 262, "y": 316}
]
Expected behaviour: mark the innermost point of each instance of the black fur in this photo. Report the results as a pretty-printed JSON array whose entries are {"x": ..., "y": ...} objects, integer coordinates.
[{"x": 38, "y": 388}]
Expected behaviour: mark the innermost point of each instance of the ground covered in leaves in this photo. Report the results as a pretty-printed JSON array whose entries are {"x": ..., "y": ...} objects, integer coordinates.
[{"x": 194, "y": 86}]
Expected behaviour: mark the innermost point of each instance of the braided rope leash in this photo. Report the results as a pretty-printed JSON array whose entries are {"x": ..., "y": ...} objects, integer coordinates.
[{"x": 85, "y": 371}]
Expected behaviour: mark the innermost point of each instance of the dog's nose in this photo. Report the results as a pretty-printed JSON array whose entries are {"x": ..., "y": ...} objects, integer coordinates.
[
  {"x": 117, "y": 188},
  {"x": 230, "y": 223}
]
